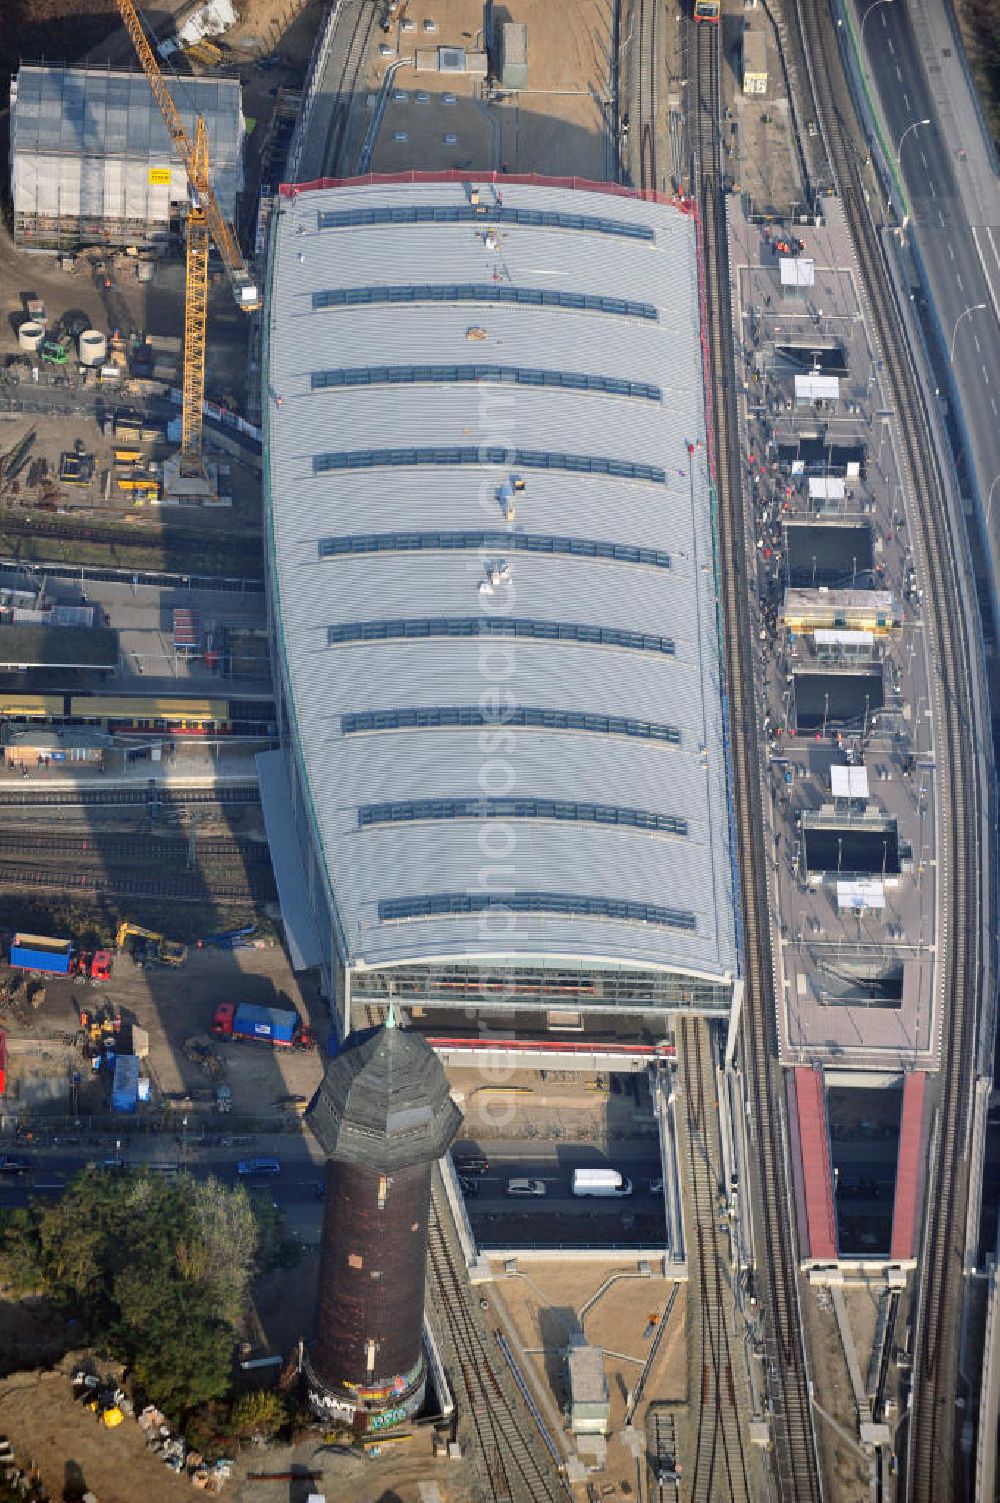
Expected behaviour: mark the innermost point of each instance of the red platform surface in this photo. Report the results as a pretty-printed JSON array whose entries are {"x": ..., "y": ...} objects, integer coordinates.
[
  {"x": 911, "y": 1136},
  {"x": 814, "y": 1141}
]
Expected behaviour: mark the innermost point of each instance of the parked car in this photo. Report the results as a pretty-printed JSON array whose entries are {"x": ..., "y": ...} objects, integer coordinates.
[
  {"x": 14, "y": 1163},
  {"x": 249, "y": 1168},
  {"x": 526, "y": 1187},
  {"x": 470, "y": 1187},
  {"x": 470, "y": 1163}
]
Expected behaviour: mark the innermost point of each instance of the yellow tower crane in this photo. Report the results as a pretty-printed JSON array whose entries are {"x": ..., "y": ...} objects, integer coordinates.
[{"x": 204, "y": 221}]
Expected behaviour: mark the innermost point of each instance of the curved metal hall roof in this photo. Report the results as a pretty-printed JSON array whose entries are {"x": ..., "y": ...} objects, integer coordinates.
[{"x": 492, "y": 554}]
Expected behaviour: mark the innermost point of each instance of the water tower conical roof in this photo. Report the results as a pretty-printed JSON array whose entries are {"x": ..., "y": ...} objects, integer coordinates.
[{"x": 384, "y": 1102}]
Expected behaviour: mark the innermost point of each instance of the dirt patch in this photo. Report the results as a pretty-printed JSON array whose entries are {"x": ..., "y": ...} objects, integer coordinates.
[
  {"x": 844, "y": 1469},
  {"x": 55, "y": 29},
  {"x": 64, "y": 1441}
]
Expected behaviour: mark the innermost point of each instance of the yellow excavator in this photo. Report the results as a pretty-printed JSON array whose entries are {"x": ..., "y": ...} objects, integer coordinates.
[
  {"x": 154, "y": 947},
  {"x": 204, "y": 222}
]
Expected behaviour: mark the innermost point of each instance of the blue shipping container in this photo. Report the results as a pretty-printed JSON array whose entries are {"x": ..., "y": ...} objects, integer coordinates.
[
  {"x": 265, "y": 1022},
  {"x": 28, "y": 954},
  {"x": 125, "y": 1091}
]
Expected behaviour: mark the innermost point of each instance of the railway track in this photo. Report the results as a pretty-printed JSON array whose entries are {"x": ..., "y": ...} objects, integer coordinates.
[
  {"x": 719, "y": 1466},
  {"x": 97, "y": 846},
  {"x": 516, "y": 1472},
  {"x": 78, "y": 532},
  {"x": 97, "y": 796},
  {"x": 933, "y": 1463},
  {"x": 347, "y": 87},
  {"x": 794, "y": 1453},
  {"x": 200, "y": 889},
  {"x": 661, "y": 1430},
  {"x": 648, "y": 64}
]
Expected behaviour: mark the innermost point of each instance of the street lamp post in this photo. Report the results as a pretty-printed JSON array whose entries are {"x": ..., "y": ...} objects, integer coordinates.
[
  {"x": 864, "y": 18},
  {"x": 912, "y": 126},
  {"x": 989, "y": 501},
  {"x": 974, "y": 308}
]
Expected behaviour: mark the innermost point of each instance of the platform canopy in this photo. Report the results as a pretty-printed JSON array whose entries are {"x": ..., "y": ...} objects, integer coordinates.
[
  {"x": 864, "y": 895},
  {"x": 797, "y": 271},
  {"x": 849, "y": 782},
  {"x": 814, "y": 388}
]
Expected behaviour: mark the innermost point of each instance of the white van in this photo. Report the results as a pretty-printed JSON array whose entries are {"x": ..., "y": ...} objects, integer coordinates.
[{"x": 600, "y": 1182}]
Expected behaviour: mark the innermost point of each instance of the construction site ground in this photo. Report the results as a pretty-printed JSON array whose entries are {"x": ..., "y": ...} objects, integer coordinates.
[
  {"x": 842, "y": 1463},
  {"x": 557, "y": 125},
  {"x": 540, "y": 1307},
  {"x": 68, "y": 1446},
  {"x": 174, "y": 1006}
]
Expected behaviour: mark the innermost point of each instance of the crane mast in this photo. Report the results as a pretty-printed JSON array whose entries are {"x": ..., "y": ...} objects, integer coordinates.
[{"x": 205, "y": 224}]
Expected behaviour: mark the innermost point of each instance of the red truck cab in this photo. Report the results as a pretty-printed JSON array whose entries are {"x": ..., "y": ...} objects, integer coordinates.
[
  {"x": 222, "y": 1022},
  {"x": 95, "y": 966}
]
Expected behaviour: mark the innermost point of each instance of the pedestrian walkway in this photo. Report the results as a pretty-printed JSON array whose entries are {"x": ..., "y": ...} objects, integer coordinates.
[{"x": 961, "y": 119}]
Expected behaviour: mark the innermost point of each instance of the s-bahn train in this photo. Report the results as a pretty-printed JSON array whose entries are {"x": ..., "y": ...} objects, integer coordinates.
[
  {"x": 707, "y": 10},
  {"x": 135, "y": 715}
]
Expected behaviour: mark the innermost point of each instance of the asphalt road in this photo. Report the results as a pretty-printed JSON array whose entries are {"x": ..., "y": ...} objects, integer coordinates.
[
  {"x": 294, "y": 1189},
  {"x": 929, "y": 165}
]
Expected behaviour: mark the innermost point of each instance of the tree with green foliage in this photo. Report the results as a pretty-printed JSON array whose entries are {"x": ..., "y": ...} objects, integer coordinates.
[
  {"x": 260, "y": 1413},
  {"x": 157, "y": 1269}
]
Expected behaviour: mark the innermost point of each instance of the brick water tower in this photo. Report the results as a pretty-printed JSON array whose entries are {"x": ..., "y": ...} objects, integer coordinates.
[{"x": 382, "y": 1115}]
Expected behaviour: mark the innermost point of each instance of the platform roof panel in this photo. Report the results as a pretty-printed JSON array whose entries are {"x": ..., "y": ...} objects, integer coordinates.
[
  {"x": 814, "y": 1145},
  {"x": 58, "y": 647},
  {"x": 908, "y": 1166},
  {"x": 595, "y": 403}
]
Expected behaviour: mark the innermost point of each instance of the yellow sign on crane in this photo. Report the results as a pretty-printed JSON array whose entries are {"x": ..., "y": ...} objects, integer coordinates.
[{"x": 205, "y": 222}]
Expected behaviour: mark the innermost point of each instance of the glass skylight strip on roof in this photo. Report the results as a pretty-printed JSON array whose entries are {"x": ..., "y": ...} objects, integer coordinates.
[
  {"x": 456, "y": 904},
  {"x": 505, "y": 542},
  {"x": 485, "y": 214},
  {"x": 509, "y": 375},
  {"x": 422, "y": 627},
  {"x": 407, "y": 811},
  {"x": 520, "y": 717},
  {"x": 483, "y": 292},
  {"x": 472, "y": 454}
]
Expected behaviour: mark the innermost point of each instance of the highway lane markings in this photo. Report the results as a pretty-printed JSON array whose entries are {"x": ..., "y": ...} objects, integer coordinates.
[
  {"x": 898, "y": 74},
  {"x": 983, "y": 263},
  {"x": 958, "y": 279}
]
